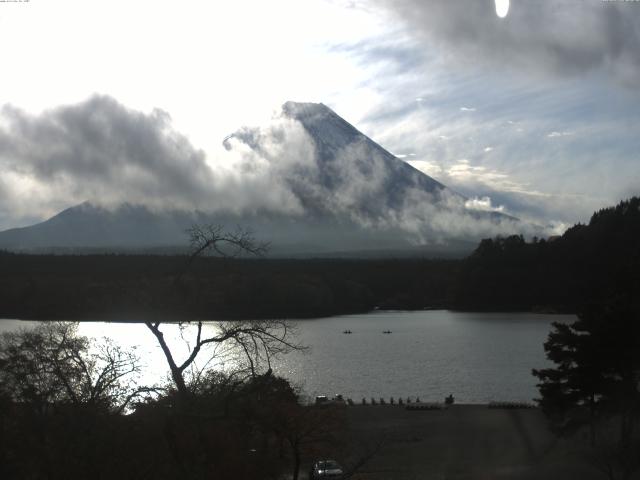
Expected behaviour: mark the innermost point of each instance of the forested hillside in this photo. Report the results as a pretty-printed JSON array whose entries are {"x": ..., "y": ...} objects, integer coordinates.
[
  {"x": 587, "y": 264},
  {"x": 127, "y": 287}
]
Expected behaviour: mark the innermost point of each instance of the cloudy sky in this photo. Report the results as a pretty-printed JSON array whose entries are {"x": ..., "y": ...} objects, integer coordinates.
[{"x": 537, "y": 113}]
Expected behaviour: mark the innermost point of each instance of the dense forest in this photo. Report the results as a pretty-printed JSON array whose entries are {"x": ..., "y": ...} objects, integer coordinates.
[
  {"x": 557, "y": 274},
  {"x": 137, "y": 287},
  {"x": 588, "y": 264}
]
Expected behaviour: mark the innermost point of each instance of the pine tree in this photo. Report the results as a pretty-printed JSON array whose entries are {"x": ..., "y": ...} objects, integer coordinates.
[{"x": 596, "y": 378}]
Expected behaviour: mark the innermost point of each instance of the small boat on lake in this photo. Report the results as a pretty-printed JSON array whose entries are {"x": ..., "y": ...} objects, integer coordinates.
[
  {"x": 386, "y": 331},
  {"x": 347, "y": 331}
]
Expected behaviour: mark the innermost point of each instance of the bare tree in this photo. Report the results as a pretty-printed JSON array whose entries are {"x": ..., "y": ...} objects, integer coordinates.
[
  {"x": 52, "y": 364},
  {"x": 257, "y": 340},
  {"x": 214, "y": 239}
]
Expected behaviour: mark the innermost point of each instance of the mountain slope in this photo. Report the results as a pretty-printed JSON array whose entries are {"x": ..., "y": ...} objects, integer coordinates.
[
  {"x": 88, "y": 225},
  {"x": 350, "y": 175},
  {"x": 352, "y": 195},
  {"x": 333, "y": 136}
]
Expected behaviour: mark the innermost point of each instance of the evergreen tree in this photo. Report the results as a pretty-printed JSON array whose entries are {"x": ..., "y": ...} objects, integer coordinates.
[{"x": 596, "y": 379}]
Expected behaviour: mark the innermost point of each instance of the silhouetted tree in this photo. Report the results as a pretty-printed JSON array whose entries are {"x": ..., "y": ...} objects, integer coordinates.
[
  {"x": 51, "y": 364},
  {"x": 214, "y": 239},
  {"x": 61, "y": 402},
  {"x": 596, "y": 379},
  {"x": 588, "y": 263},
  {"x": 258, "y": 340}
]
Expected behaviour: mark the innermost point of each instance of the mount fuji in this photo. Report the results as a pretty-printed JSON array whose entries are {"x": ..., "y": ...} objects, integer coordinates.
[{"x": 350, "y": 197}]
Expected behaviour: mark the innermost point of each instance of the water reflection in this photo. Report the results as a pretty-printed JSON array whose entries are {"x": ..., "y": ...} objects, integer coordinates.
[{"x": 477, "y": 357}]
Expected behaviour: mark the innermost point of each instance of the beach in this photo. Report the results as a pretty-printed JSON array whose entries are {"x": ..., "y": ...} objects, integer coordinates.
[{"x": 461, "y": 442}]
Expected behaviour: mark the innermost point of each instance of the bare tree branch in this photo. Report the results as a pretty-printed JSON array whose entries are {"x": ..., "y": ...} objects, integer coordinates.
[{"x": 259, "y": 341}]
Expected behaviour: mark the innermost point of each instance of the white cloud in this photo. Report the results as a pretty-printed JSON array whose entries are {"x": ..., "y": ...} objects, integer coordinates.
[
  {"x": 556, "y": 134},
  {"x": 483, "y": 204},
  {"x": 213, "y": 65},
  {"x": 430, "y": 168}
]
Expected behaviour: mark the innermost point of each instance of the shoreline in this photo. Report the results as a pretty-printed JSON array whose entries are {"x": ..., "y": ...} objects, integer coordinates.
[{"x": 115, "y": 319}]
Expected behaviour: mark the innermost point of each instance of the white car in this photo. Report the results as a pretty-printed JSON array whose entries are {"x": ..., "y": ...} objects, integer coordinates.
[{"x": 326, "y": 469}]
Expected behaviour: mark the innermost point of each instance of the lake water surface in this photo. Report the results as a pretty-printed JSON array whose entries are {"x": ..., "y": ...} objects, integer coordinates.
[{"x": 477, "y": 357}]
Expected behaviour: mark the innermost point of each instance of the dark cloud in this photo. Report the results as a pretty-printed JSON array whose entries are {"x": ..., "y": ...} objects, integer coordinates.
[
  {"x": 102, "y": 150},
  {"x": 564, "y": 37},
  {"x": 549, "y": 66},
  {"x": 107, "y": 154}
]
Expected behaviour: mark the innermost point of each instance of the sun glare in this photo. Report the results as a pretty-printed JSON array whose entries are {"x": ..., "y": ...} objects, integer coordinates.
[{"x": 502, "y": 8}]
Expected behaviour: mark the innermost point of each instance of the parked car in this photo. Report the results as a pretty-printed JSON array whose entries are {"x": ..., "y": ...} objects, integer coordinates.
[{"x": 326, "y": 469}]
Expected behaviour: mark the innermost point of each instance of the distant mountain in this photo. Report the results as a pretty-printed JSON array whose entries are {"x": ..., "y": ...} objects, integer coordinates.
[
  {"x": 358, "y": 199},
  {"x": 88, "y": 225},
  {"x": 88, "y": 228}
]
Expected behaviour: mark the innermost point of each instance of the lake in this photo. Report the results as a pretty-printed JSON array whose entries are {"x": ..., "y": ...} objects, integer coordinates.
[{"x": 477, "y": 357}]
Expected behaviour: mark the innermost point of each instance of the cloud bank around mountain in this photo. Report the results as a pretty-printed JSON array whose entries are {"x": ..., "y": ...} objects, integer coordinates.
[
  {"x": 99, "y": 150},
  {"x": 102, "y": 152}
]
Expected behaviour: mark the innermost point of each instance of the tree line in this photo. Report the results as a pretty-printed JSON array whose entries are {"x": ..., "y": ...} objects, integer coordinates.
[
  {"x": 557, "y": 274},
  {"x": 588, "y": 263},
  {"x": 138, "y": 287}
]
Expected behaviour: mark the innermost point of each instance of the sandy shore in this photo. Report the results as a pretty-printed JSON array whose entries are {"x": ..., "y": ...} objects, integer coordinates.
[{"x": 461, "y": 442}]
